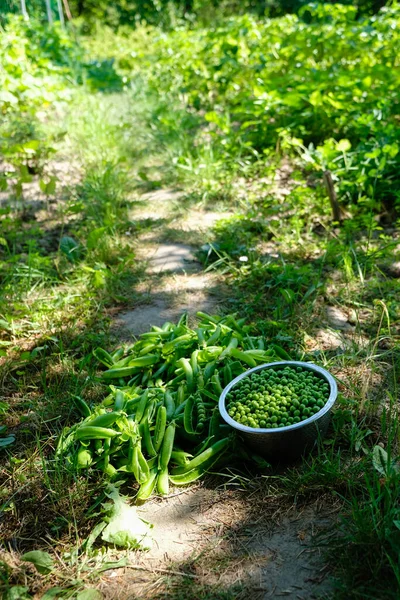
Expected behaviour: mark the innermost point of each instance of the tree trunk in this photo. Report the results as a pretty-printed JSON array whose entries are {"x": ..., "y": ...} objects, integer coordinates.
[
  {"x": 67, "y": 10},
  {"x": 60, "y": 12},
  {"x": 49, "y": 13},
  {"x": 24, "y": 11}
]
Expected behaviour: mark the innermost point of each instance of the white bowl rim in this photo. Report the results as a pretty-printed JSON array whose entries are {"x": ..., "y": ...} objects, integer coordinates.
[{"x": 257, "y": 431}]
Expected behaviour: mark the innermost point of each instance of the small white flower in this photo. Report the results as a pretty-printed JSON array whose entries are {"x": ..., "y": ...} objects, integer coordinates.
[{"x": 243, "y": 258}]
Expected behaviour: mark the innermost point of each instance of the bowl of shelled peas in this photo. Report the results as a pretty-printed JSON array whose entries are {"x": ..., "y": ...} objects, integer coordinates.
[{"x": 280, "y": 409}]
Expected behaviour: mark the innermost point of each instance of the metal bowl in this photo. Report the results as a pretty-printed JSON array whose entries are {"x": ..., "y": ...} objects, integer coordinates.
[{"x": 290, "y": 442}]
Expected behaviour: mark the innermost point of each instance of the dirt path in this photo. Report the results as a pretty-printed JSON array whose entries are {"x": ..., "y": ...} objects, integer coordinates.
[
  {"x": 228, "y": 541},
  {"x": 175, "y": 281}
]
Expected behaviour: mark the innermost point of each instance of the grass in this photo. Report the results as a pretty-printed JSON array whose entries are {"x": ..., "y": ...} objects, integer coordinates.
[{"x": 284, "y": 264}]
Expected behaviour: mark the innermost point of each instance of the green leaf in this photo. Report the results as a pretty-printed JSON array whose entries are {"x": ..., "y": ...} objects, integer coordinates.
[
  {"x": 6, "y": 96},
  {"x": 51, "y": 186},
  {"x": 316, "y": 98},
  {"x": 30, "y": 147},
  {"x": 380, "y": 460},
  {"x": 76, "y": 208},
  {"x": 70, "y": 248},
  {"x": 7, "y": 441},
  {"x": 55, "y": 592},
  {"x": 41, "y": 560},
  {"x": 4, "y": 406},
  {"x": 17, "y": 592},
  {"x": 94, "y": 236},
  {"x": 391, "y": 149},
  {"x": 89, "y": 594},
  {"x": 99, "y": 279},
  {"x": 96, "y": 531},
  {"x": 4, "y": 325},
  {"x": 396, "y": 524},
  {"x": 125, "y": 528},
  {"x": 48, "y": 188},
  {"x": 289, "y": 295},
  {"x": 343, "y": 145}
]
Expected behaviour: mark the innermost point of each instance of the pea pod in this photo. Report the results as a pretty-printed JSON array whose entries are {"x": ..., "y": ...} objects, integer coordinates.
[
  {"x": 210, "y": 395},
  {"x": 104, "y": 420},
  {"x": 146, "y": 437},
  {"x": 233, "y": 343},
  {"x": 176, "y": 380},
  {"x": 82, "y": 406},
  {"x": 206, "y": 318},
  {"x": 146, "y": 489},
  {"x": 201, "y": 447},
  {"x": 117, "y": 355},
  {"x": 106, "y": 454},
  {"x": 87, "y": 432},
  {"x": 169, "y": 405},
  {"x": 137, "y": 463},
  {"x": 144, "y": 361},
  {"x": 227, "y": 374},
  {"x": 119, "y": 400},
  {"x": 163, "y": 482},
  {"x": 193, "y": 362},
  {"x": 240, "y": 355},
  {"x": 149, "y": 410},
  {"x": 180, "y": 396},
  {"x": 132, "y": 382},
  {"x": 180, "y": 409},
  {"x": 200, "y": 337},
  {"x": 188, "y": 372},
  {"x": 180, "y": 457},
  {"x": 161, "y": 422},
  {"x": 155, "y": 334},
  {"x": 214, "y": 423},
  {"x": 116, "y": 373},
  {"x": 192, "y": 475},
  {"x": 188, "y": 415},
  {"x": 130, "y": 405},
  {"x": 152, "y": 462},
  {"x": 167, "y": 446},
  {"x": 104, "y": 357},
  {"x": 161, "y": 370},
  {"x": 209, "y": 370},
  {"x": 122, "y": 362},
  {"x": 261, "y": 345},
  {"x": 216, "y": 383},
  {"x": 145, "y": 377},
  {"x": 141, "y": 407},
  {"x": 171, "y": 346},
  {"x": 200, "y": 381},
  {"x": 200, "y": 413},
  {"x": 280, "y": 352},
  {"x": 203, "y": 457},
  {"x": 215, "y": 337}
]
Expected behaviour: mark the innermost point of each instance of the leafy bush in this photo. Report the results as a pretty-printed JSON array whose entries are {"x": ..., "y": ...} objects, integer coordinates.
[{"x": 321, "y": 85}]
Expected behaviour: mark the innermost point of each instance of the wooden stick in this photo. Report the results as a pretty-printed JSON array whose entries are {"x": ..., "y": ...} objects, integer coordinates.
[
  {"x": 330, "y": 188},
  {"x": 154, "y": 570},
  {"x": 67, "y": 10}
]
